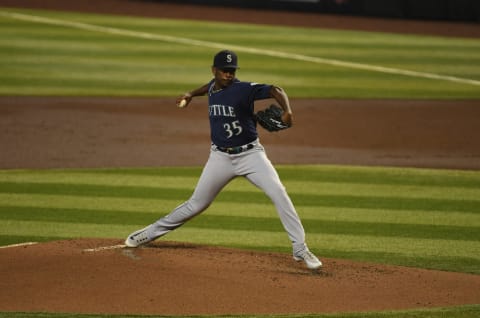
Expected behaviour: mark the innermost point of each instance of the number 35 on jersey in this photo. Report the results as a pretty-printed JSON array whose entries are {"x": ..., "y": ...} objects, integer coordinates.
[{"x": 233, "y": 129}]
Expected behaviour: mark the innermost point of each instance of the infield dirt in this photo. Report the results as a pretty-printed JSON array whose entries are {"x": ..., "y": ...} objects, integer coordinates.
[
  {"x": 185, "y": 279},
  {"x": 168, "y": 278}
]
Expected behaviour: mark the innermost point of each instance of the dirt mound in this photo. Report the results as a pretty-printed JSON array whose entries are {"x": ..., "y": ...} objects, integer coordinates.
[{"x": 168, "y": 278}]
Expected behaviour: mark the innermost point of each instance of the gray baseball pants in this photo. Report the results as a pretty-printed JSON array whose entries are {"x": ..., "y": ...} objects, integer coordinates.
[{"x": 219, "y": 170}]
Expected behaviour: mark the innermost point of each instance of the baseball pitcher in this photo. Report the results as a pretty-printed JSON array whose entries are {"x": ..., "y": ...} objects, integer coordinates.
[{"x": 236, "y": 151}]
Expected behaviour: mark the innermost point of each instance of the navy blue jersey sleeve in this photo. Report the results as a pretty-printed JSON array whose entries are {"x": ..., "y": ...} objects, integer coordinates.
[{"x": 259, "y": 91}]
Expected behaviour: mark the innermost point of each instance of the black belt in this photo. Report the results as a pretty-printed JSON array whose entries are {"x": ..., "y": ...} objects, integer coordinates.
[{"x": 236, "y": 150}]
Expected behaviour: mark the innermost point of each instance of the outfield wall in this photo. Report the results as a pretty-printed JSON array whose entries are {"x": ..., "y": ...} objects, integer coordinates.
[{"x": 450, "y": 10}]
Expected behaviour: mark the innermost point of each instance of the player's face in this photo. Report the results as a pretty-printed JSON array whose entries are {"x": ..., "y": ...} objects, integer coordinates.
[{"x": 223, "y": 77}]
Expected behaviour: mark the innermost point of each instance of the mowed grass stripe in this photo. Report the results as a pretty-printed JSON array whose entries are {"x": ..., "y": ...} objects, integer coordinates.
[
  {"x": 382, "y": 176},
  {"x": 64, "y": 230},
  {"x": 93, "y": 178},
  {"x": 372, "y": 202},
  {"x": 162, "y": 207},
  {"x": 397, "y": 245},
  {"x": 138, "y": 205},
  {"x": 317, "y": 173},
  {"x": 16, "y": 239},
  {"x": 243, "y": 223},
  {"x": 91, "y": 190},
  {"x": 440, "y": 262}
]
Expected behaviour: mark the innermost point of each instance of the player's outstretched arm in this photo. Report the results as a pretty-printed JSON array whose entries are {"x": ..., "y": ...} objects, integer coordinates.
[{"x": 185, "y": 99}]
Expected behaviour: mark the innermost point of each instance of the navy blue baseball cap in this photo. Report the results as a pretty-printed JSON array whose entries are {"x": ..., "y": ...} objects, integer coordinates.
[{"x": 225, "y": 59}]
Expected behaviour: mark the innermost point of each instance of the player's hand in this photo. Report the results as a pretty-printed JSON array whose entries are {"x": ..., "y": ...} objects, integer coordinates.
[
  {"x": 184, "y": 100},
  {"x": 287, "y": 118}
]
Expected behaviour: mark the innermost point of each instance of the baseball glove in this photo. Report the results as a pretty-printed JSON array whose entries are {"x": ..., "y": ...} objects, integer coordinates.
[{"x": 271, "y": 118}]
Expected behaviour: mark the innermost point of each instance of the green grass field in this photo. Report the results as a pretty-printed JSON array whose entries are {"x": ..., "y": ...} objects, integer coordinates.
[
  {"x": 422, "y": 218},
  {"x": 119, "y": 56},
  {"x": 411, "y": 217}
]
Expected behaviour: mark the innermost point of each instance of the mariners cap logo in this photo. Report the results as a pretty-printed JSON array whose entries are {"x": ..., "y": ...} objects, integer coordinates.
[{"x": 225, "y": 59}]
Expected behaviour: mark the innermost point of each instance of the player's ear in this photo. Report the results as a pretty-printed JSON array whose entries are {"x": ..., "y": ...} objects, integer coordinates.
[{"x": 214, "y": 70}]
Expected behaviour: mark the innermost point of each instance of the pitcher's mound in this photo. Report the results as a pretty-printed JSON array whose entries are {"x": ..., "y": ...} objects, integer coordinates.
[{"x": 168, "y": 278}]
